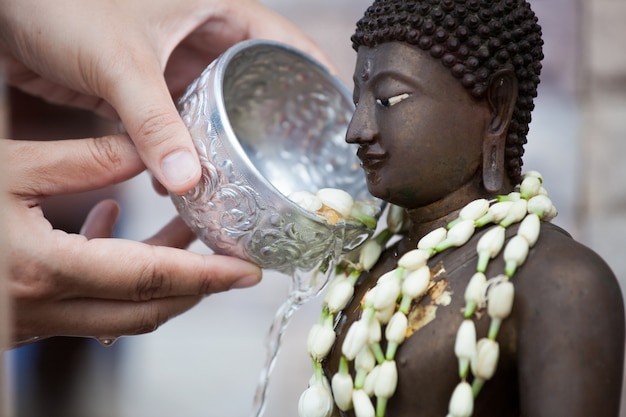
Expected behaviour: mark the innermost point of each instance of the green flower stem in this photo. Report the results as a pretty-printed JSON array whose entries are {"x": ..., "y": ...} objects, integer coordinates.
[
  {"x": 325, "y": 314},
  {"x": 383, "y": 237},
  {"x": 343, "y": 365},
  {"x": 509, "y": 268},
  {"x": 392, "y": 348},
  {"x": 477, "y": 385},
  {"x": 368, "y": 221},
  {"x": 445, "y": 244},
  {"x": 483, "y": 220},
  {"x": 483, "y": 261},
  {"x": 378, "y": 352},
  {"x": 452, "y": 223},
  {"x": 359, "y": 378},
  {"x": 354, "y": 276},
  {"x": 405, "y": 304},
  {"x": 470, "y": 308},
  {"x": 318, "y": 371},
  {"x": 381, "y": 406},
  {"x": 494, "y": 328},
  {"x": 464, "y": 364}
]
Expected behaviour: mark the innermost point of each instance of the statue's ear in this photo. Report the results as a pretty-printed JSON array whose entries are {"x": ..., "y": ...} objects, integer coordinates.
[{"x": 501, "y": 96}]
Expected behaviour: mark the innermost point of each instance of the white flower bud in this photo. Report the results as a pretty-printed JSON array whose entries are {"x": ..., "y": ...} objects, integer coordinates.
[
  {"x": 389, "y": 275},
  {"x": 458, "y": 235},
  {"x": 465, "y": 344},
  {"x": 495, "y": 214},
  {"x": 551, "y": 215},
  {"x": 363, "y": 407},
  {"x": 430, "y": 240},
  {"x": 338, "y": 295},
  {"x": 342, "y": 386},
  {"x": 355, "y": 340},
  {"x": 366, "y": 208},
  {"x": 500, "y": 301},
  {"x": 489, "y": 245},
  {"x": 529, "y": 229},
  {"x": 395, "y": 218},
  {"x": 475, "y": 291},
  {"x": 370, "y": 252},
  {"x": 462, "y": 401},
  {"x": 516, "y": 213},
  {"x": 306, "y": 200},
  {"x": 370, "y": 381},
  {"x": 323, "y": 381},
  {"x": 336, "y": 199},
  {"x": 515, "y": 254},
  {"x": 320, "y": 340},
  {"x": 366, "y": 212},
  {"x": 383, "y": 316},
  {"x": 541, "y": 205},
  {"x": 533, "y": 173},
  {"x": 396, "y": 328},
  {"x": 416, "y": 283},
  {"x": 530, "y": 187},
  {"x": 387, "y": 380},
  {"x": 414, "y": 259},
  {"x": 365, "y": 360},
  {"x": 374, "y": 332},
  {"x": 474, "y": 209},
  {"x": 387, "y": 293},
  {"x": 368, "y": 299},
  {"x": 315, "y": 401},
  {"x": 485, "y": 361}
]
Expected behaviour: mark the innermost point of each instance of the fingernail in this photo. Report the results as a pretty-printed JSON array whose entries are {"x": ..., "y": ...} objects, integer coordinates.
[
  {"x": 246, "y": 282},
  {"x": 179, "y": 167}
]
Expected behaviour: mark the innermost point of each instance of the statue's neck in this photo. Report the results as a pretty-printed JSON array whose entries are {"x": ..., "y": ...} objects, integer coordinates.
[{"x": 440, "y": 213}]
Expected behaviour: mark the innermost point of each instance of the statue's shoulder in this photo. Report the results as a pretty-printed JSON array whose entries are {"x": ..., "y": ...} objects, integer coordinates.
[
  {"x": 557, "y": 253},
  {"x": 561, "y": 274}
]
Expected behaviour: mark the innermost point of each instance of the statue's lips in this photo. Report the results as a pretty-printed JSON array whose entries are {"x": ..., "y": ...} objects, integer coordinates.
[{"x": 370, "y": 160}]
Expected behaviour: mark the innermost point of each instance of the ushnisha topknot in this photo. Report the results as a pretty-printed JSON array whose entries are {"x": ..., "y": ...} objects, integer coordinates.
[{"x": 473, "y": 39}]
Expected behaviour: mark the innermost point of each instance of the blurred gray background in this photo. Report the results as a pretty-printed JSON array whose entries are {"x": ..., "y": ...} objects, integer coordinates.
[{"x": 207, "y": 362}]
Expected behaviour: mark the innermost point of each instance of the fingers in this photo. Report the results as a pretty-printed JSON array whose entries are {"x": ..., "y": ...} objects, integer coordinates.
[
  {"x": 67, "y": 166},
  {"x": 93, "y": 317},
  {"x": 175, "y": 234},
  {"x": 111, "y": 318},
  {"x": 101, "y": 220},
  {"x": 120, "y": 269},
  {"x": 144, "y": 104},
  {"x": 158, "y": 187}
]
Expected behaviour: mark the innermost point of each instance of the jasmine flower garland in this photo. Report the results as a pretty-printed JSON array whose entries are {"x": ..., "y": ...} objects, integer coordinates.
[{"x": 388, "y": 302}]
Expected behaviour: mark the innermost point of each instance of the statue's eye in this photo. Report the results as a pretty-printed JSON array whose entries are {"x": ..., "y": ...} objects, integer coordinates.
[{"x": 392, "y": 101}]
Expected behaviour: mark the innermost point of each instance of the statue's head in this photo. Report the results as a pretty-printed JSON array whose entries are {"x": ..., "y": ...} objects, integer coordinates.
[{"x": 474, "y": 40}]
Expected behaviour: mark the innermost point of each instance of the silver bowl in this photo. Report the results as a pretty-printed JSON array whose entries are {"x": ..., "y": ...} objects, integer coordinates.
[{"x": 267, "y": 120}]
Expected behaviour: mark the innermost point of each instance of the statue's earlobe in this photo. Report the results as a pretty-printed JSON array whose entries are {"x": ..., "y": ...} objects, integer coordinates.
[{"x": 501, "y": 96}]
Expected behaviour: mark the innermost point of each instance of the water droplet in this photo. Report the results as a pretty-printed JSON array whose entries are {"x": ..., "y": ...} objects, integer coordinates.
[{"x": 106, "y": 341}]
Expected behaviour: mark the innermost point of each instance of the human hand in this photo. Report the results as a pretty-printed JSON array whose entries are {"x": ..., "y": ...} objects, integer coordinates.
[
  {"x": 111, "y": 57},
  {"x": 91, "y": 284}
]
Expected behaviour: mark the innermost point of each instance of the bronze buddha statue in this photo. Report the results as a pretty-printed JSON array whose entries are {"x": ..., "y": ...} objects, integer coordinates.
[{"x": 444, "y": 91}]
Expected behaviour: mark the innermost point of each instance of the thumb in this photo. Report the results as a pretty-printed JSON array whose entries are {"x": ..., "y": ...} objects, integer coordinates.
[{"x": 150, "y": 117}]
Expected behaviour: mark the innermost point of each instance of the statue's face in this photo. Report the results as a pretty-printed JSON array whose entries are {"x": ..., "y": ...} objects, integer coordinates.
[{"x": 419, "y": 132}]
